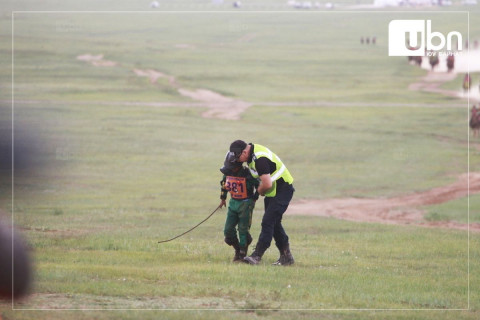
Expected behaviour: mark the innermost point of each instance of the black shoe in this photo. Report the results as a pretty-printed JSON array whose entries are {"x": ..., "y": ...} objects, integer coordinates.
[
  {"x": 234, "y": 243},
  {"x": 257, "y": 254},
  {"x": 239, "y": 256},
  {"x": 284, "y": 261},
  {"x": 286, "y": 258},
  {"x": 253, "y": 259}
]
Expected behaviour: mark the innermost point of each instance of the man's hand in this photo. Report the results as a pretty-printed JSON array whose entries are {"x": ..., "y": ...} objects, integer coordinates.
[{"x": 265, "y": 184}]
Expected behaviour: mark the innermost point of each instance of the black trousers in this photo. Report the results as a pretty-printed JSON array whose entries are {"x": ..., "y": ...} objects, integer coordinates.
[{"x": 272, "y": 227}]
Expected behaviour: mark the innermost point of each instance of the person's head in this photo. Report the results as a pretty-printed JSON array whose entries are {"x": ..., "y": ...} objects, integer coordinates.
[
  {"x": 240, "y": 150},
  {"x": 230, "y": 165}
]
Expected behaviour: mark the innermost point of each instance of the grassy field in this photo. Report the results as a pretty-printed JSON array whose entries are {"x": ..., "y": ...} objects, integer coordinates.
[{"x": 112, "y": 178}]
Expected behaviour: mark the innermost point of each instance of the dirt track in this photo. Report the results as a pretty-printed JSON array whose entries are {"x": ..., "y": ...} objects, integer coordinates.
[
  {"x": 219, "y": 106},
  {"x": 227, "y": 108},
  {"x": 403, "y": 210}
]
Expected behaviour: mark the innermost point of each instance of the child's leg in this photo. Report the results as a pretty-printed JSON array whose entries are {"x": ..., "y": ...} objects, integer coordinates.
[
  {"x": 230, "y": 223},
  {"x": 244, "y": 222},
  {"x": 230, "y": 232}
]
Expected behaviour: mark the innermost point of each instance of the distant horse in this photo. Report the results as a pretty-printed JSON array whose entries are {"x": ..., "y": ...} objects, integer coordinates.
[
  {"x": 475, "y": 121},
  {"x": 433, "y": 61},
  {"x": 450, "y": 63},
  {"x": 415, "y": 59},
  {"x": 467, "y": 81}
]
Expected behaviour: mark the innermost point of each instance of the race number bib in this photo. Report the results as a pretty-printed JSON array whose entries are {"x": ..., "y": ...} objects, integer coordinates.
[{"x": 237, "y": 187}]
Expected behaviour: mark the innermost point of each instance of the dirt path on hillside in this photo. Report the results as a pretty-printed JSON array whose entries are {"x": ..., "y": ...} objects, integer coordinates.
[
  {"x": 405, "y": 210},
  {"x": 96, "y": 60},
  {"x": 154, "y": 76},
  {"x": 219, "y": 106},
  {"x": 432, "y": 82},
  {"x": 223, "y": 107}
]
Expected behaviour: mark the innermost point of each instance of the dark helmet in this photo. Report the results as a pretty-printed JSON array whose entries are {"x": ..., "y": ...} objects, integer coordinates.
[
  {"x": 237, "y": 147},
  {"x": 230, "y": 163}
]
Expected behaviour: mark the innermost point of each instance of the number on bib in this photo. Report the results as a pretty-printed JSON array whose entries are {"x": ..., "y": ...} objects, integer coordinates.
[{"x": 237, "y": 187}]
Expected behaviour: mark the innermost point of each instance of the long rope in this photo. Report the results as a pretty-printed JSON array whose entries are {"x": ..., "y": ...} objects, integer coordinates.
[{"x": 211, "y": 214}]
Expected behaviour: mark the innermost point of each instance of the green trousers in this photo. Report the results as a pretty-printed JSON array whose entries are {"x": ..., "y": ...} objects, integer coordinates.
[{"x": 239, "y": 213}]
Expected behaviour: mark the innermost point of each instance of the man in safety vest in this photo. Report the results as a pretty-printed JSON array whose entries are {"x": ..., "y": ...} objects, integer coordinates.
[{"x": 276, "y": 185}]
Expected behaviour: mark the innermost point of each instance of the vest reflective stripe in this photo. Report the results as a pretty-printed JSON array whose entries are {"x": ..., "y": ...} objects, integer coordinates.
[
  {"x": 264, "y": 154},
  {"x": 280, "y": 172}
]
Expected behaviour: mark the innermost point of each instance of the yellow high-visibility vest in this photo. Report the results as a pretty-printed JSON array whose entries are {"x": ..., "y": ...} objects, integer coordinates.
[{"x": 280, "y": 172}]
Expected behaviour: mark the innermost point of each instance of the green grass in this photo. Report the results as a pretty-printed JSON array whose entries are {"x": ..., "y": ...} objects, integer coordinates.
[
  {"x": 94, "y": 216},
  {"x": 303, "y": 70},
  {"x": 455, "y": 210},
  {"x": 360, "y": 152},
  {"x": 113, "y": 179},
  {"x": 199, "y": 266}
]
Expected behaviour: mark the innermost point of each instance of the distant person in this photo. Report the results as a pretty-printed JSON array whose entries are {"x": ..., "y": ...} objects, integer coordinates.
[
  {"x": 467, "y": 81},
  {"x": 239, "y": 182},
  {"x": 450, "y": 62},
  {"x": 434, "y": 60},
  {"x": 474, "y": 112},
  {"x": 276, "y": 186},
  {"x": 474, "y": 120}
]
